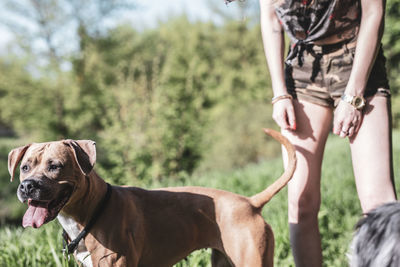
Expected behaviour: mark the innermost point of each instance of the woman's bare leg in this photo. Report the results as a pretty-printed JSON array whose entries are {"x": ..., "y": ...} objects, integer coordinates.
[
  {"x": 371, "y": 151},
  {"x": 313, "y": 126}
]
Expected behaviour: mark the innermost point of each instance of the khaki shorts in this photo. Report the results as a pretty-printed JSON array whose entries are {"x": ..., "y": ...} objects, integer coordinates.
[{"x": 324, "y": 82}]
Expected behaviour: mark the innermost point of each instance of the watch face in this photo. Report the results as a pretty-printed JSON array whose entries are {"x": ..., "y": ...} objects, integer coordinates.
[{"x": 359, "y": 102}]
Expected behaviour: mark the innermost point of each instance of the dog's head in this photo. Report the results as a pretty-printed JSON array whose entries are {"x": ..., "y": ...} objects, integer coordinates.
[{"x": 49, "y": 175}]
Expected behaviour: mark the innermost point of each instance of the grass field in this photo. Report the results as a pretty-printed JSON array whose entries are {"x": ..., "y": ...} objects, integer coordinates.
[{"x": 340, "y": 210}]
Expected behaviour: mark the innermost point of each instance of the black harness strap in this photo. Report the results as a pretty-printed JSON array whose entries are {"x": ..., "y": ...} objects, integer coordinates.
[{"x": 72, "y": 246}]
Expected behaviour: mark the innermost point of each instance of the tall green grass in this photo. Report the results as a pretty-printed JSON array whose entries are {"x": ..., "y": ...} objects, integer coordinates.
[
  {"x": 33, "y": 248},
  {"x": 340, "y": 210}
]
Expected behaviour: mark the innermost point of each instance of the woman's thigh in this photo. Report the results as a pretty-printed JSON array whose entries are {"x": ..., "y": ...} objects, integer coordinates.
[
  {"x": 371, "y": 151},
  {"x": 313, "y": 126}
]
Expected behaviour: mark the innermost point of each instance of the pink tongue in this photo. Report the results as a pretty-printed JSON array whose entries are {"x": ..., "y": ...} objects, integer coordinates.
[{"x": 35, "y": 216}]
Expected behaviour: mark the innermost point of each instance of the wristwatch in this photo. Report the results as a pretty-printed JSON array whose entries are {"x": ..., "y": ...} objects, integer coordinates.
[{"x": 358, "y": 102}]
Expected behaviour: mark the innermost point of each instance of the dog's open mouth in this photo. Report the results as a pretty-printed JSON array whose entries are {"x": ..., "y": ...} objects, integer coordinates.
[{"x": 41, "y": 212}]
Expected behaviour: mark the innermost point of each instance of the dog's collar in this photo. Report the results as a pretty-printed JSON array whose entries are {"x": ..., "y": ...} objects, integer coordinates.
[{"x": 72, "y": 246}]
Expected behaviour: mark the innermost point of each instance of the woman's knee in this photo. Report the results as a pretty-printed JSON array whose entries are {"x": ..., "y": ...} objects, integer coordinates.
[
  {"x": 373, "y": 200},
  {"x": 304, "y": 208}
]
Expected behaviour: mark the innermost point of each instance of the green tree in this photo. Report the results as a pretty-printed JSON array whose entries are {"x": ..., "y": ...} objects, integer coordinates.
[{"x": 49, "y": 33}]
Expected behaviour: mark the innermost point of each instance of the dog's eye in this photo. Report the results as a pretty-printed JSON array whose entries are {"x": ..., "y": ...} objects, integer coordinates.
[
  {"x": 54, "y": 167},
  {"x": 25, "y": 168}
]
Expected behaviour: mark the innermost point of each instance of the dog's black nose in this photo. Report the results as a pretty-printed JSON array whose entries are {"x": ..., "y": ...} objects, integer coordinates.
[{"x": 28, "y": 186}]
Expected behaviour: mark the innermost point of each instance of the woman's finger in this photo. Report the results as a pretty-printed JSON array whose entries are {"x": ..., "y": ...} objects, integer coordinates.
[
  {"x": 291, "y": 118},
  {"x": 351, "y": 131}
]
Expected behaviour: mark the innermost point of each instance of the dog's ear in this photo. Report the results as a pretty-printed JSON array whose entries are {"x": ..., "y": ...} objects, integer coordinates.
[
  {"x": 14, "y": 158},
  {"x": 84, "y": 152}
]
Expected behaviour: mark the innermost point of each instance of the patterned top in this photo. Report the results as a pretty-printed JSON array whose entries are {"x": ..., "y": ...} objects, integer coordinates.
[{"x": 319, "y": 21}]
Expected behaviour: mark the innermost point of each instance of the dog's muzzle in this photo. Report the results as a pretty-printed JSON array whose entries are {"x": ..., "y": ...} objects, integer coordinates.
[{"x": 45, "y": 199}]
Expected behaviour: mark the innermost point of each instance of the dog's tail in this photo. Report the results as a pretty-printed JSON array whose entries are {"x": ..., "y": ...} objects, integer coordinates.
[{"x": 262, "y": 198}]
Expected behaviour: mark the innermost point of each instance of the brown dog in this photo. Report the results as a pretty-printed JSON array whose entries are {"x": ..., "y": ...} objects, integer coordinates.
[{"x": 129, "y": 226}]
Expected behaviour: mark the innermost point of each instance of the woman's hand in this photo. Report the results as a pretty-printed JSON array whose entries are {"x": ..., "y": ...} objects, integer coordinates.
[
  {"x": 347, "y": 120},
  {"x": 283, "y": 114}
]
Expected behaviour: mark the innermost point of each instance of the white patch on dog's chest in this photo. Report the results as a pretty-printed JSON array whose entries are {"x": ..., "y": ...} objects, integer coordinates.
[{"x": 72, "y": 229}]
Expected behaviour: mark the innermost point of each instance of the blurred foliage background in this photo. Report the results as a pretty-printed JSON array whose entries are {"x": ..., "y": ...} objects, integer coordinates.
[
  {"x": 166, "y": 102},
  {"x": 182, "y": 97},
  {"x": 173, "y": 104}
]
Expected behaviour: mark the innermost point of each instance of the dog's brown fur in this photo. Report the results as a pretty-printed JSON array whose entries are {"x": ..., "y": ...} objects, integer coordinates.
[{"x": 154, "y": 228}]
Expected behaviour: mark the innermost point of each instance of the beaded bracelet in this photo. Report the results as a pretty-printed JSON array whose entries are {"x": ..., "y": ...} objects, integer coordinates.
[{"x": 280, "y": 97}]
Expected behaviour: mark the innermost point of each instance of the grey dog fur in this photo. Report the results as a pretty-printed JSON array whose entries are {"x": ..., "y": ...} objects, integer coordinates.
[{"x": 376, "y": 242}]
